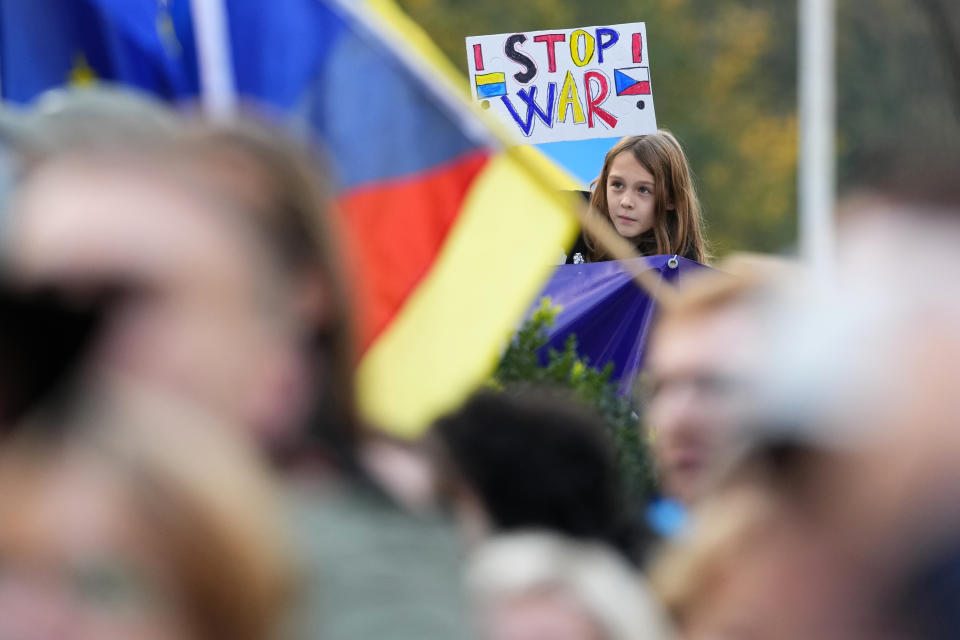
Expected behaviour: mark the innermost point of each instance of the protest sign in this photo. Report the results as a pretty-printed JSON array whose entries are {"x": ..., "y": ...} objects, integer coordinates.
[{"x": 565, "y": 84}]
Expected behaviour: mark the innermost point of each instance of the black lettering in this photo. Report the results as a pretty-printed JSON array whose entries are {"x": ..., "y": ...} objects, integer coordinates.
[{"x": 529, "y": 66}]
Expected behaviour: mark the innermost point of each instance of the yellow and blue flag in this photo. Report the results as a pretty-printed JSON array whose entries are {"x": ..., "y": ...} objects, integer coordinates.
[{"x": 490, "y": 85}]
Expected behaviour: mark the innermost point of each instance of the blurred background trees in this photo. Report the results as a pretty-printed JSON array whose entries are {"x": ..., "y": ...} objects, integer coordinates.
[{"x": 724, "y": 76}]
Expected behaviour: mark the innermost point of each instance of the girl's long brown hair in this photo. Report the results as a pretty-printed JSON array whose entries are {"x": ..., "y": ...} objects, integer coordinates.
[{"x": 677, "y": 230}]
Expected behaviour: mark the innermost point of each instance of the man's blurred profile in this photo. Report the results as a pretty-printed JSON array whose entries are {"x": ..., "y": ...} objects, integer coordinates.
[{"x": 700, "y": 357}]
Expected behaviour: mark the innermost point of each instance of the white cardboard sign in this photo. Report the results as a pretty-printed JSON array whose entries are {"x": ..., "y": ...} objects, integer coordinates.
[{"x": 565, "y": 84}]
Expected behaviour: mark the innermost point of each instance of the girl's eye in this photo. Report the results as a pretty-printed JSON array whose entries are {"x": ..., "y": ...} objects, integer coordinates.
[
  {"x": 645, "y": 190},
  {"x": 616, "y": 184}
]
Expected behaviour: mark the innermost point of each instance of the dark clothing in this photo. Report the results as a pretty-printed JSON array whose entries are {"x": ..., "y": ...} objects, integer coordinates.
[
  {"x": 370, "y": 570},
  {"x": 580, "y": 246},
  {"x": 646, "y": 245}
]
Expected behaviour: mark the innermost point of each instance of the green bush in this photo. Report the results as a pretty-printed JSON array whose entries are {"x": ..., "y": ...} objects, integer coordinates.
[{"x": 520, "y": 366}]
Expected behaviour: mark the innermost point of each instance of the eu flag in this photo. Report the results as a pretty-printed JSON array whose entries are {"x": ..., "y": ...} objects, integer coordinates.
[{"x": 147, "y": 44}]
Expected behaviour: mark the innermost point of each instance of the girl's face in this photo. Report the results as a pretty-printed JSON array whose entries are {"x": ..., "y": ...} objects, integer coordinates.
[{"x": 631, "y": 201}]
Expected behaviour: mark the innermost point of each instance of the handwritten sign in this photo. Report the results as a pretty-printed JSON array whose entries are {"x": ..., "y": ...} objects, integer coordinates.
[{"x": 567, "y": 84}]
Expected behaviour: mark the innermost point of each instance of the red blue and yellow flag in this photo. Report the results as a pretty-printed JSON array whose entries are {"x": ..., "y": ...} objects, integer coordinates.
[
  {"x": 451, "y": 232},
  {"x": 456, "y": 235}
]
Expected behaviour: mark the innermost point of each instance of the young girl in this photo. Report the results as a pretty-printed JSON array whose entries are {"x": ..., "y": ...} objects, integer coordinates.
[{"x": 646, "y": 193}]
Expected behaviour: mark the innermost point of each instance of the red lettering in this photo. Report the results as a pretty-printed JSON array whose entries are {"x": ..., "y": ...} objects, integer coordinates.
[
  {"x": 551, "y": 39},
  {"x": 594, "y": 102},
  {"x": 637, "y": 48}
]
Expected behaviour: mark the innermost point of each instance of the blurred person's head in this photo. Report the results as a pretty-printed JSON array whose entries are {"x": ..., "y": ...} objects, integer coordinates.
[
  {"x": 869, "y": 361},
  {"x": 222, "y": 231},
  {"x": 699, "y": 357},
  {"x": 142, "y": 522},
  {"x": 533, "y": 459},
  {"x": 862, "y": 367},
  {"x": 199, "y": 324},
  {"x": 539, "y": 586}
]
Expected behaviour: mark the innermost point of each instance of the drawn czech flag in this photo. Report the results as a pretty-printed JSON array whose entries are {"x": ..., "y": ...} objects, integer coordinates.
[{"x": 632, "y": 81}]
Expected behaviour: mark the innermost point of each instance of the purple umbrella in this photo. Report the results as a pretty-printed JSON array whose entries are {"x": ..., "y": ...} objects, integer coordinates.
[{"x": 609, "y": 313}]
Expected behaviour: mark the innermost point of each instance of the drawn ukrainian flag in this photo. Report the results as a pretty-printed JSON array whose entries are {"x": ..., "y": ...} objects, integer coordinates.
[{"x": 491, "y": 85}]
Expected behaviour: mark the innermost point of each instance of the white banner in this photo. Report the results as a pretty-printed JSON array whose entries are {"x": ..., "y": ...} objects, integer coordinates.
[{"x": 565, "y": 84}]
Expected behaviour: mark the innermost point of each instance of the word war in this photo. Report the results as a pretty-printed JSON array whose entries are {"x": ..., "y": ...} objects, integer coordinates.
[{"x": 565, "y": 84}]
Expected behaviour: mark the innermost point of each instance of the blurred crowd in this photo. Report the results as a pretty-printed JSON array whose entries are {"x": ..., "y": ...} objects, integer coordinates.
[{"x": 181, "y": 456}]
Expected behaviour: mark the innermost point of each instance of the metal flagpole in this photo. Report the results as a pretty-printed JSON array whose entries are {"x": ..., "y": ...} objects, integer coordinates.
[
  {"x": 219, "y": 96},
  {"x": 817, "y": 169}
]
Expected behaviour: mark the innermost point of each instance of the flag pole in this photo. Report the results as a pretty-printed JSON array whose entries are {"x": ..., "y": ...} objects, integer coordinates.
[
  {"x": 817, "y": 167},
  {"x": 219, "y": 96}
]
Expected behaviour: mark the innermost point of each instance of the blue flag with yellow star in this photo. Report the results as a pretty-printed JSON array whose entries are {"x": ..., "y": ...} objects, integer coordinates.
[{"x": 147, "y": 44}]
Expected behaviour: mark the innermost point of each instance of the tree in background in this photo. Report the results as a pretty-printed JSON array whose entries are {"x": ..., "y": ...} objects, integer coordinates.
[
  {"x": 897, "y": 99},
  {"x": 521, "y": 366}
]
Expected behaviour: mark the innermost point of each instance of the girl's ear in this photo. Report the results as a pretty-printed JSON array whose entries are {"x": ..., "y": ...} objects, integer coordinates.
[{"x": 671, "y": 206}]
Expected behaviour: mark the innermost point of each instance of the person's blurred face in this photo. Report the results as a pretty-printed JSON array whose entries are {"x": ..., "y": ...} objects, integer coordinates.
[
  {"x": 205, "y": 324},
  {"x": 694, "y": 399},
  {"x": 76, "y": 564},
  {"x": 541, "y": 615}
]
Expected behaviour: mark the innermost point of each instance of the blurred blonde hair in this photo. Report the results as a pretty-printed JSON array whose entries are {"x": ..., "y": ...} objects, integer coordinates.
[
  {"x": 275, "y": 187},
  {"x": 609, "y": 590}
]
